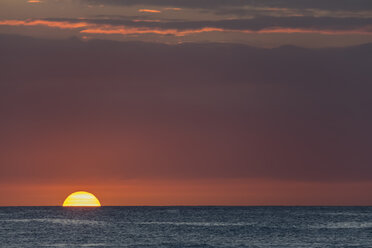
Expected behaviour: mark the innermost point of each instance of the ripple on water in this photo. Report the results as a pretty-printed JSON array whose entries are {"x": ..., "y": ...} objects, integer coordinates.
[
  {"x": 59, "y": 221},
  {"x": 196, "y": 223},
  {"x": 340, "y": 225}
]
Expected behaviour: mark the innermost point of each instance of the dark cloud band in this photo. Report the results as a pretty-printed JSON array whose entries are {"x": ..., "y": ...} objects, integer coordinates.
[{"x": 346, "y": 5}]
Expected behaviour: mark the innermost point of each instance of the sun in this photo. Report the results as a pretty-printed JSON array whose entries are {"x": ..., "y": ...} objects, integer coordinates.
[{"x": 81, "y": 199}]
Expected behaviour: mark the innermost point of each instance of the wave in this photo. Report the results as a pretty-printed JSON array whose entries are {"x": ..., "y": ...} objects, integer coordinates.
[
  {"x": 340, "y": 225},
  {"x": 59, "y": 221},
  {"x": 196, "y": 223}
]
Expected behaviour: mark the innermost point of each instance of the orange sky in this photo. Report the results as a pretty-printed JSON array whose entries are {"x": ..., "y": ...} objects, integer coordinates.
[
  {"x": 194, "y": 192},
  {"x": 186, "y": 102},
  {"x": 203, "y": 133}
]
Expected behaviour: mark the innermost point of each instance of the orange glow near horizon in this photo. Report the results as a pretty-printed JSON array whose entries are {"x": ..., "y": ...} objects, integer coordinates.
[
  {"x": 81, "y": 199},
  {"x": 228, "y": 192}
]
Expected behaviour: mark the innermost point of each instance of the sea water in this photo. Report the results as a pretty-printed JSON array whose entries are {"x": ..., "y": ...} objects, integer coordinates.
[{"x": 186, "y": 227}]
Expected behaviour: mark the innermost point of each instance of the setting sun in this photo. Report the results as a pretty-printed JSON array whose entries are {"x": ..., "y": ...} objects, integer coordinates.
[{"x": 81, "y": 199}]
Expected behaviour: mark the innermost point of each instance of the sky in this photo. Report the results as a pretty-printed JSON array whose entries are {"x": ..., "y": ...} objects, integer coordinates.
[{"x": 186, "y": 102}]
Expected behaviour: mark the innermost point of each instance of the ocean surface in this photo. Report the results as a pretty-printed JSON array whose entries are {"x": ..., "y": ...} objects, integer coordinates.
[{"x": 186, "y": 227}]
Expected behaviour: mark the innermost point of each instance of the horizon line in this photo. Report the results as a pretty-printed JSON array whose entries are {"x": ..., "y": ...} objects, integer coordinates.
[{"x": 188, "y": 206}]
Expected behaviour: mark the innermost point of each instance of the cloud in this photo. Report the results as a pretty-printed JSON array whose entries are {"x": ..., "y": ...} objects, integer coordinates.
[
  {"x": 122, "y": 110},
  {"x": 348, "y": 5},
  {"x": 130, "y": 31},
  {"x": 252, "y": 8},
  {"x": 149, "y": 10},
  {"x": 262, "y": 25},
  {"x": 174, "y": 9},
  {"x": 52, "y": 24}
]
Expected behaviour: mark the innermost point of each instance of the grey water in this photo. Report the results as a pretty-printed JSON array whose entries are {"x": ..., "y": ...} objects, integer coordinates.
[{"x": 186, "y": 227}]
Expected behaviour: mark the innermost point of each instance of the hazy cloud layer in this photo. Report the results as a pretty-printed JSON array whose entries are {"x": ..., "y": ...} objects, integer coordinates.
[
  {"x": 255, "y": 24},
  {"x": 285, "y": 25},
  {"x": 264, "y": 23},
  {"x": 114, "y": 110},
  {"x": 349, "y": 5}
]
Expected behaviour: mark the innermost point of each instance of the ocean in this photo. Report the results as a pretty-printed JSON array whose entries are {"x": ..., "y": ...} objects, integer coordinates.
[{"x": 186, "y": 227}]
